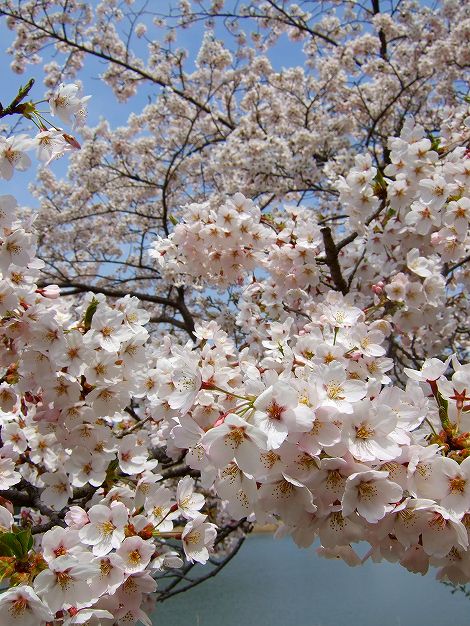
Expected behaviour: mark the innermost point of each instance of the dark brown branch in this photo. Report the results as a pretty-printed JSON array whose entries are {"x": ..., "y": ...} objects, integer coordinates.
[
  {"x": 179, "y": 470},
  {"x": 331, "y": 259},
  {"x": 112, "y": 293},
  {"x": 450, "y": 269},
  {"x": 193, "y": 583}
]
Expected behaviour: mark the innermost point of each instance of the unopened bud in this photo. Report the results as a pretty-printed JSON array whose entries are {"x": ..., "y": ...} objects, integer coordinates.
[
  {"x": 51, "y": 291},
  {"x": 71, "y": 141}
]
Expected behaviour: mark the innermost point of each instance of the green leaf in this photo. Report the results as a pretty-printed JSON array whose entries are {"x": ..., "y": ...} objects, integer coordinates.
[
  {"x": 26, "y": 540},
  {"x": 91, "y": 310},
  {"x": 22, "y": 93},
  {"x": 10, "y": 546}
]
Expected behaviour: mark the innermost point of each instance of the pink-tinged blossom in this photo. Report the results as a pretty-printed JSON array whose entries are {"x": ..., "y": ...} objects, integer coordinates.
[
  {"x": 278, "y": 413},
  {"x": 111, "y": 574},
  {"x": 337, "y": 530},
  {"x": 66, "y": 103},
  {"x": 198, "y": 538},
  {"x": 60, "y": 542},
  {"x": 65, "y": 583},
  {"x": 370, "y": 494},
  {"x": 76, "y": 517},
  {"x": 133, "y": 455},
  {"x": 441, "y": 531},
  {"x": 85, "y": 467},
  {"x": 13, "y": 154},
  {"x": 235, "y": 439},
  {"x": 20, "y": 606},
  {"x": 105, "y": 529},
  {"x": 286, "y": 497},
  {"x": 135, "y": 554}
]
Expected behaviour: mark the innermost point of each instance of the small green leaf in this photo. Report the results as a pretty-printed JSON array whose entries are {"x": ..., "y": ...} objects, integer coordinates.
[
  {"x": 22, "y": 93},
  {"x": 26, "y": 540},
  {"x": 91, "y": 310}
]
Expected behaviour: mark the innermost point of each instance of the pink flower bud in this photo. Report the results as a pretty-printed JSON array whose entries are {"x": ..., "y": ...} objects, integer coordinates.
[
  {"x": 71, "y": 141},
  {"x": 50, "y": 291},
  {"x": 76, "y": 517}
]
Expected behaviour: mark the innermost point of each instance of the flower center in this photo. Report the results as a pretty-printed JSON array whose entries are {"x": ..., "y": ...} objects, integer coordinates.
[
  {"x": 275, "y": 410},
  {"x": 193, "y": 537},
  {"x": 134, "y": 557},
  {"x": 334, "y": 391},
  {"x": 105, "y": 567},
  {"x": 236, "y": 436},
  {"x": 107, "y": 528},
  {"x": 366, "y": 491},
  {"x": 457, "y": 484},
  {"x": 19, "y": 606},
  {"x": 364, "y": 432},
  {"x": 63, "y": 579}
]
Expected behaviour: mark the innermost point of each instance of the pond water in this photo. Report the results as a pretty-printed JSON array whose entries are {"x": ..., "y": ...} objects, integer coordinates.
[{"x": 273, "y": 583}]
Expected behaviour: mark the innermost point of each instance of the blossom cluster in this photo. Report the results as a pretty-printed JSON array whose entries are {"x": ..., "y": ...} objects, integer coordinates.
[
  {"x": 98, "y": 514},
  {"x": 314, "y": 436},
  {"x": 237, "y": 240},
  {"x": 49, "y": 143}
]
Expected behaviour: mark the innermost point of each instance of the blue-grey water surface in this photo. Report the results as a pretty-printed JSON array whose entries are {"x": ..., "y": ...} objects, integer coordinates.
[{"x": 273, "y": 583}]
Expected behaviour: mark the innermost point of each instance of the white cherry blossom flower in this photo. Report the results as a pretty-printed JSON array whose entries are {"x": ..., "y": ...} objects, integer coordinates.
[
  {"x": 13, "y": 154},
  {"x": 276, "y": 414},
  {"x": 66, "y": 104},
  {"x": 61, "y": 542},
  {"x": 8, "y": 475},
  {"x": 198, "y": 538},
  {"x": 370, "y": 494},
  {"x": 20, "y": 606},
  {"x": 189, "y": 503},
  {"x": 431, "y": 370},
  {"x": 65, "y": 583},
  {"x": 105, "y": 530},
  {"x": 235, "y": 439},
  {"x": 111, "y": 574},
  {"x": 135, "y": 554}
]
